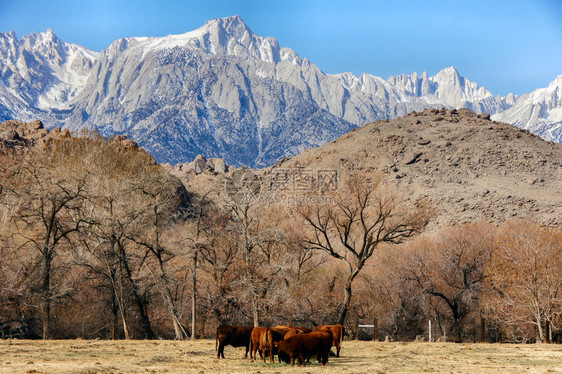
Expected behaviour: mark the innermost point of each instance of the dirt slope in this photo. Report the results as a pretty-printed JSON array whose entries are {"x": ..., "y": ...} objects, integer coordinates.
[{"x": 469, "y": 167}]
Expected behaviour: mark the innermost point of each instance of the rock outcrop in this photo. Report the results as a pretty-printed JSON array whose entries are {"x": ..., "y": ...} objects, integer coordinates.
[{"x": 19, "y": 135}]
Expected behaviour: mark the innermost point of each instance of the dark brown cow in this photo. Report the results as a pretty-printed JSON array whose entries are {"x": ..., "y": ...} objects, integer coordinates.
[
  {"x": 302, "y": 346},
  {"x": 236, "y": 336},
  {"x": 337, "y": 331}
]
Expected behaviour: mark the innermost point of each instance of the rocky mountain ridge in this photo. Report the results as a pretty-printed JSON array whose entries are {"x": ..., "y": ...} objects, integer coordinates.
[
  {"x": 468, "y": 166},
  {"x": 225, "y": 92}
]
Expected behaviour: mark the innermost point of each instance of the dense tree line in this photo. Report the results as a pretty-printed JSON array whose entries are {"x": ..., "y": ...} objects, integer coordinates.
[{"x": 97, "y": 240}]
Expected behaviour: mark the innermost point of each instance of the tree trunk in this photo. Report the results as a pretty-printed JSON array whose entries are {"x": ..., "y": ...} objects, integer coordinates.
[
  {"x": 166, "y": 293},
  {"x": 194, "y": 295},
  {"x": 346, "y": 302},
  {"x": 125, "y": 325},
  {"x": 114, "y": 314},
  {"x": 46, "y": 315},
  {"x": 145, "y": 320},
  {"x": 119, "y": 305},
  {"x": 179, "y": 330},
  {"x": 457, "y": 324},
  {"x": 255, "y": 310},
  {"x": 539, "y": 327},
  {"x": 454, "y": 306},
  {"x": 46, "y": 291},
  {"x": 202, "y": 329}
]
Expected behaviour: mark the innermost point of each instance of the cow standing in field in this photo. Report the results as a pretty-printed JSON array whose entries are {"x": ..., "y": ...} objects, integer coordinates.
[
  {"x": 263, "y": 339},
  {"x": 302, "y": 346},
  {"x": 255, "y": 338},
  {"x": 269, "y": 341},
  {"x": 337, "y": 332},
  {"x": 236, "y": 336}
]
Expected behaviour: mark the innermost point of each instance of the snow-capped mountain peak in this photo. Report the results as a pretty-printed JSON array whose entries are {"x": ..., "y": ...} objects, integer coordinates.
[
  {"x": 557, "y": 82},
  {"x": 229, "y": 36},
  {"x": 43, "y": 70},
  {"x": 232, "y": 36},
  {"x": 539, "y": 111},
  {"x": 455, "y": 90},
  {"x": 230, "y": 27},
  {"x": 223, "y": 91},
  {"x": 450, "y": 74},
  {"x": 47, "y": 45}
]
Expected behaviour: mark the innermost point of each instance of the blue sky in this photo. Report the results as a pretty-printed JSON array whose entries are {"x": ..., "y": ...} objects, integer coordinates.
[{"x": 505, "y": 46}]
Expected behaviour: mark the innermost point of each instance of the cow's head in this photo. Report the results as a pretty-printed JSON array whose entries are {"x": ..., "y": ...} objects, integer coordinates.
[{"x": 283, "y": 355}]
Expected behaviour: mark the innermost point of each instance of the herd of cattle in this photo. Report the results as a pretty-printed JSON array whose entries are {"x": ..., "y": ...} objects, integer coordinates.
[{"x": 288, "y": 342}]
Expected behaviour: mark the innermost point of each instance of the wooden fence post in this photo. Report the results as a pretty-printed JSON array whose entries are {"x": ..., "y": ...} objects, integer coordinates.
[
  {"x": 482, "y": 329},
  {"x": 375, "y": 329},
  {"x": 547, "y": 331},
  {"x": 357, "y": 329},
  {"x": 429, "y": 331},
  {"x": 202, "y": 331}
]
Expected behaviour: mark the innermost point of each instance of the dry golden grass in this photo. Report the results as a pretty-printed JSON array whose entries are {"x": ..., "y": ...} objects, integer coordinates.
[{"x": 88, "y": 357}]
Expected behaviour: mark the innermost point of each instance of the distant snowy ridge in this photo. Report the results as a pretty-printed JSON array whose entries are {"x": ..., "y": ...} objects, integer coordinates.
[
  {"x": 43, "y": 71},
  {"x": 540, "y": 111},
  {"x": 226, "y": 92}
]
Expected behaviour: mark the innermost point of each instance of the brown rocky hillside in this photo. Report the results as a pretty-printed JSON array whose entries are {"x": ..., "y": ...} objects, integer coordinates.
[
  {"x": 469, "y": 167},
  {"x": 17, "y": 135}
]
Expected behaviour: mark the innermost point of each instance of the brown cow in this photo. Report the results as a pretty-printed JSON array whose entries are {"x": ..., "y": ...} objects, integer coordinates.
[
  {"x": 263, "y": 338},
  {"x": 269, "y": 341},
  {"x": 337, "y": 331},
  {"x": 255, "y": 339},
  {"x": 298, "y": 328},
  {"x": 302, "y": 346},
  {"x": 236, "y": 336},
  {"x": 292, "y": 332}
]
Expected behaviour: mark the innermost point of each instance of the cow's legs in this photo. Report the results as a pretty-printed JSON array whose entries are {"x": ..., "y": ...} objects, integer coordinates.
[{"x": 323, "y": 358}]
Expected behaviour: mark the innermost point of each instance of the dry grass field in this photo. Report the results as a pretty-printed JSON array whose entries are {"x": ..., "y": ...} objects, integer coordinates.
[{"x": 97, "y": 356}]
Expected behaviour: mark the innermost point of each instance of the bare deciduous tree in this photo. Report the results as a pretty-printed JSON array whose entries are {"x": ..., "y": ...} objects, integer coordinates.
[
  {"x": 364, "y": 216},
  {"x": 162, "y": 202},
  {"x": 524, "y": 285},
  {"x": 451, "y": 269},
  {"x": 46, "y": 195}
]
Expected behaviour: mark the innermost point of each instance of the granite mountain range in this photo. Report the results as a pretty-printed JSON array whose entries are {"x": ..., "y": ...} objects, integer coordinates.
[{"x": 224, "y": 91}]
